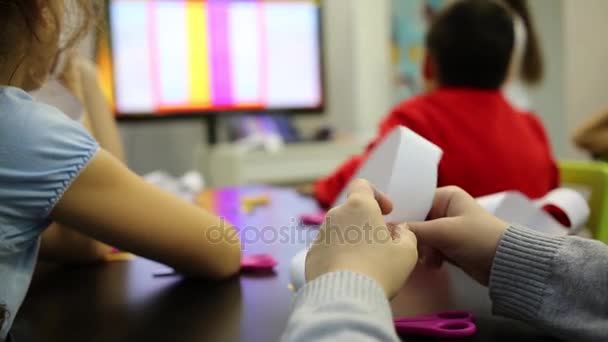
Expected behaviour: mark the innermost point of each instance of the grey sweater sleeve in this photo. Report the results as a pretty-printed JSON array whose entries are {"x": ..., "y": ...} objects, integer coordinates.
[
  {"x": 341, "y": 306},
  {"x": 557, "y": 283}
]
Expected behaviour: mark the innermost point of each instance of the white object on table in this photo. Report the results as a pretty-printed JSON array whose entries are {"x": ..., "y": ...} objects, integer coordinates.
[
  {"x": 229, "y": 164},
  {"x": 186, "y": 187},
  {"x": 297, "y": 269}
]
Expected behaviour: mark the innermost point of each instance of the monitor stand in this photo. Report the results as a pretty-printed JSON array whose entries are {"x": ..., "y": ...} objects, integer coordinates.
[
  {"x": 278, "y": 124},
  {"x": 211, "y": 121}
]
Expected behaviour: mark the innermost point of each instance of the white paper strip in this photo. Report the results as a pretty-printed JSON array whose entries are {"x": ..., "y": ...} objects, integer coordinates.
[
  {"x": 404, "y": 167},
  {"x": 514, "y": 207}
]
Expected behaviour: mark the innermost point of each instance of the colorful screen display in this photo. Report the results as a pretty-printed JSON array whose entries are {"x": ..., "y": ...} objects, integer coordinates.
[{"x": 180, "y": 56}]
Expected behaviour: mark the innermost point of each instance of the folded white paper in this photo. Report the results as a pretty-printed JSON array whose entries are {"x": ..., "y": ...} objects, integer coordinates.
[
  {"x": 514, "y": 207},
  {"x": 572, "y": 203},
  {"x": 403, "y": 166}
]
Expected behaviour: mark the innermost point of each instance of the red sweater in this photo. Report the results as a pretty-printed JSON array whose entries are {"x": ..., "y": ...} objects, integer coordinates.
[{"x": 488, "y": 145}]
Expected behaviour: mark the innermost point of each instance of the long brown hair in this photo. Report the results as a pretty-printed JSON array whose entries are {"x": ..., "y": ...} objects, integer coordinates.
[
  {"x": 18, "y": 16},
  {"x": 532, "y": 68}
]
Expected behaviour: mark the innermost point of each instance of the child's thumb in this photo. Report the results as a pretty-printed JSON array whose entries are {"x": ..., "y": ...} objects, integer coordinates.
[
  {"x": 438, "y": 234},
  {"x": 404, "y": 236}
]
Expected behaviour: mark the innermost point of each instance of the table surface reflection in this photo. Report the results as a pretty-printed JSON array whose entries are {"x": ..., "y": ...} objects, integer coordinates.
[{"x": 122, "y": 301}]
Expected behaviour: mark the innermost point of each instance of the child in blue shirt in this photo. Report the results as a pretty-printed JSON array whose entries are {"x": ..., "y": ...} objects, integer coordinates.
[{"x": 53, "y": 171}]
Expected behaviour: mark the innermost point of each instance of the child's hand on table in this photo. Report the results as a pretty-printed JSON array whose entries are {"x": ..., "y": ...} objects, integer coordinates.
[
  {"x": 355, "y": 238},
  {"x": 460, "y": 231}
]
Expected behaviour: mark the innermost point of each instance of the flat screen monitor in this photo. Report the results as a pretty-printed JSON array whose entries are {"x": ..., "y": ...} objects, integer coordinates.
[{"x": 170, "y": 57}]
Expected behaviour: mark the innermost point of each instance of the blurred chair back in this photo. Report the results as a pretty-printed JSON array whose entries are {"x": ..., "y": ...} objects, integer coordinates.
[{"x": 593, "y": 176}]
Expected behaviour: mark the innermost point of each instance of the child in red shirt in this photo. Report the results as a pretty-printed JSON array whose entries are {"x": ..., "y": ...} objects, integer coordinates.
[{"x": 488, "y": 145}]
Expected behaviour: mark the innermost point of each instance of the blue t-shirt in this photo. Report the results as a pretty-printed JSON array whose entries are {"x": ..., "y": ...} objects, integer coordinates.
[{"x": 41, "y": 152}]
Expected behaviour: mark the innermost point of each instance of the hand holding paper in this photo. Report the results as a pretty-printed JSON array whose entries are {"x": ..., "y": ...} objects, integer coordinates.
[
  {"x": 384, "y": 253},
  {"x": 404, "y": 167},
  {"x": 461, "y": 231}
]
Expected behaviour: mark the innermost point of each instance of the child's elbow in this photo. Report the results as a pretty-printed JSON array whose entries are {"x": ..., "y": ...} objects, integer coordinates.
[
  {"x": 230, "y": 263},
  {"x": 218, "y": 261},
  {"x": 227, "y": 263}
]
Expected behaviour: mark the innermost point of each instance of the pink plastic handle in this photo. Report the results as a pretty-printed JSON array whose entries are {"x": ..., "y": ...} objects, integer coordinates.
[
  {"x": 440, "y": 328},
  {"x": 249, "y": 263},
  {"x": 443, "y": 315},
  {"x": 316, "y": 219},
  {"x": 258, "y": 262}
]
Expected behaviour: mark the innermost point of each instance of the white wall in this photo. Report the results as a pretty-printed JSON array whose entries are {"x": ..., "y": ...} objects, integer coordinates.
[
  {"x": 586, "y": 56},
  {"x": 549, "y": 98},
  {"x": 360, "y": 78},
  {"x": 576, "y": 55}
]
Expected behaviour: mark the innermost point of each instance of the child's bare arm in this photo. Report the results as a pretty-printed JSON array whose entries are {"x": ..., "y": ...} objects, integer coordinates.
[
  {"x": 110, "y": 203},
  {"x": 66, "y": 245},
  {"x": 60, "y": 243}
]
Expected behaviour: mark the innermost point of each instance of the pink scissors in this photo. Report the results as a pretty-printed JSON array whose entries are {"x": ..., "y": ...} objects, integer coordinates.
[
  {"x": 315, "y": 219},
  {"x": 442, "y": 324}
]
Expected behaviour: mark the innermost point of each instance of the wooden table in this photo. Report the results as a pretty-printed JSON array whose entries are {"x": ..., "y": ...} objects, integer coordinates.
[{"x": 122, "y": 301}]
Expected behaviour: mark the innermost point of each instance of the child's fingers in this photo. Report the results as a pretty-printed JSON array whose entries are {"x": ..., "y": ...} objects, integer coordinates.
[
  {"x": 430, "y": 257},
  {"x": 449, "y": 201},
  {"x": 402, "y": 235},
  {"x": 438, "y": 234},
  {"x": 386, "y": 206},
  {"x": 360, "y": 187}
]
